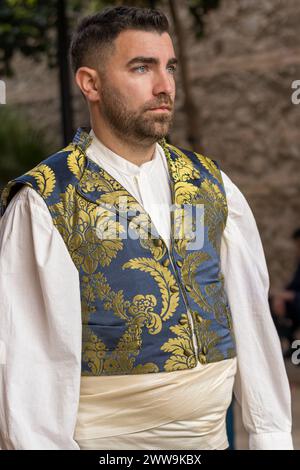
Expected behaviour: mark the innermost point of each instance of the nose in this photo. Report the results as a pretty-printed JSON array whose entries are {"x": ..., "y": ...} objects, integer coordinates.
[{"x": 164, "y": 83}]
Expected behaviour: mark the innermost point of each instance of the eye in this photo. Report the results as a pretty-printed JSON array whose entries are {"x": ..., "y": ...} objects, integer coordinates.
[
  {"x": 172, "y": 69},
  {"x": 141, "y": 68}
]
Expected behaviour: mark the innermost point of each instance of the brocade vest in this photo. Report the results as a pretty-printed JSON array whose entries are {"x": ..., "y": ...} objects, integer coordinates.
[{"x": 145, "y": 307}]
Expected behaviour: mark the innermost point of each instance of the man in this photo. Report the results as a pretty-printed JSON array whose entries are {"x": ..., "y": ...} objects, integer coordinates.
[
  {"x": 125, "y": 325},
  {"x": 285, "y": 304}
]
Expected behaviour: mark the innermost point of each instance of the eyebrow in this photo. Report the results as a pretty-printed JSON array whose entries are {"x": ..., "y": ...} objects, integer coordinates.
[{"x": 150, "y": 60}]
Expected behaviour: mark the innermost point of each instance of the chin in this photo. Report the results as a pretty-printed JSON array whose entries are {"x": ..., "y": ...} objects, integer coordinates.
[{"x": 162, "y": 127}]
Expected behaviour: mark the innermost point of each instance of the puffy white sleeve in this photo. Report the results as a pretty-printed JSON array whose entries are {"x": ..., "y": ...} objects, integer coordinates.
[
  {"x": 40, "y": 330},
  {"x": 261, "y": 386}
]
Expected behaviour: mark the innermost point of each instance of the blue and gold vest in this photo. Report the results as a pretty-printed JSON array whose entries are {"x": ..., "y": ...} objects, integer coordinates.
[{"x": 145, "y": 308}]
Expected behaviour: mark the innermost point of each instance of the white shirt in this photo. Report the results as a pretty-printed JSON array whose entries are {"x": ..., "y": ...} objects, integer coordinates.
[
  {"x": 40, "y": 316},
  {"x": 147, "y": 411}
]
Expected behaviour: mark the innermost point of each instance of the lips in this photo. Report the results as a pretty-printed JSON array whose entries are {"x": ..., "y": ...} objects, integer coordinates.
[{"x": 165, "y": 108}]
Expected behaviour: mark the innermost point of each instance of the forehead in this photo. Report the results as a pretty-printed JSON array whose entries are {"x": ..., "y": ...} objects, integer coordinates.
[{"x": 132, "y": 43}]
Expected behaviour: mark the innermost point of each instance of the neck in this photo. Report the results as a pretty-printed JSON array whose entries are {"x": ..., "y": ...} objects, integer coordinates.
[{"x": 134, "y": 152}]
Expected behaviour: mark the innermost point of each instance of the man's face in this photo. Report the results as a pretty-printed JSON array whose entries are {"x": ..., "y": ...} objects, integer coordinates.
[{"x": 138, "y": 80}]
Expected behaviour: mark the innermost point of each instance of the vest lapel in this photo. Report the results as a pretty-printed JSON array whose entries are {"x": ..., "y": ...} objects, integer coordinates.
[
  {"x": 99, "y": 187},
  {"x": 185, "y": 186}
]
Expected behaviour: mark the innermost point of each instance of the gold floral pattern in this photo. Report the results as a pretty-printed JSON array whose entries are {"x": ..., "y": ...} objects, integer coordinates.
[
  {"x": 90, "y": 233},
  {"x": 190, "y": 267},
  {"x": 207, "y": 340},
  {"x": 136, "y": 315},
  {"x": 165, "y": 281},
  {"x": 93, "y": 352},
  {"x": 215, "y": 210},
  {"x": 45, "y": 178},
  {"x": 99, "y": 181},
  {"x": 182, "y": 168},
  {"x": 210, "y": 166},
  {"x": 183, "y": 228},
  {"x": 180, "y": 348},
  {"x": 76, "y": 161},
  {"x": 90, "y": 210}
]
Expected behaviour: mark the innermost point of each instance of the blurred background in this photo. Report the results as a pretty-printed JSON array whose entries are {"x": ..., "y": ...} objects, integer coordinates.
[{"x": 238, "y": 60}]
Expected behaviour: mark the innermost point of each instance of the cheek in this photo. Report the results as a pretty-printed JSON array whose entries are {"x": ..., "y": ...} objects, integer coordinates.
[
  {"x": 136, "y": 93},
  {"x": 140, "y": 87},
  {"x": 135, "y": 82}
]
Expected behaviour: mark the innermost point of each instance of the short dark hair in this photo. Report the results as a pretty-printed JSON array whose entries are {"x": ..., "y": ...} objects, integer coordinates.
[{"x": 96, "y": 33}]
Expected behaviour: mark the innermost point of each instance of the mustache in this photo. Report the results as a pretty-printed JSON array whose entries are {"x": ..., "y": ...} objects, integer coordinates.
[{"x": 157, "y": 104}]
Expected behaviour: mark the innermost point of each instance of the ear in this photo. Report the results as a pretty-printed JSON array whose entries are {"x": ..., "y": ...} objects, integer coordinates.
[{"x": 88, "y": 81}]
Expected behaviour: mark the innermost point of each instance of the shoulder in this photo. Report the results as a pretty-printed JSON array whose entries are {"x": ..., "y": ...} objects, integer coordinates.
[
  {"x": 238, "y": 205},
  {"x": 49, "y": 177},
  {"x": 26, "y": 209},
  {"x": 66, "y": 164},
  {"x": 193, "y": 155},
  {"x": 194, "y": 163}
]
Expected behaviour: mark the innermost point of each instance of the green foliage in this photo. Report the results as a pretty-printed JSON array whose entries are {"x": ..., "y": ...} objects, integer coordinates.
[
  {"x": 21, "y": 146},
  {"x": 27, "y": 26},
  {"x": 24, "y": 27}
]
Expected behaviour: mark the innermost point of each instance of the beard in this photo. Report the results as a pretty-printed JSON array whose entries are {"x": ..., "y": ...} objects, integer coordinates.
[{"x": 141, "y": 126}]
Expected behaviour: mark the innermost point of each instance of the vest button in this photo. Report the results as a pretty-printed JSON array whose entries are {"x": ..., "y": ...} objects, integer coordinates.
[
  {"x": 174, "y": 288},
  {"x": 202, "y": 358},
  {"x": 166, "y": 262},
  {"x": 188, "y": 288},
  {"x": 179, "y": 263},
  {"x": 157, "y": 242}
]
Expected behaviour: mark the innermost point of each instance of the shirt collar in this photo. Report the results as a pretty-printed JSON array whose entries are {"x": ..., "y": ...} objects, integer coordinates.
[{"x": 102, "y": 154}]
